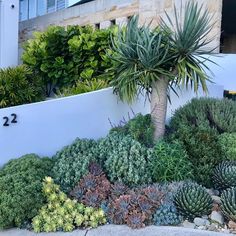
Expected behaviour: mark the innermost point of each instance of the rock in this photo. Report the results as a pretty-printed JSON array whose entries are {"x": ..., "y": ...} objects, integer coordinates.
[
  {"x": 187, "y": 224},
  {"x": 201, "y": 222},
  {"x": 216, "y": 199},
  {"x": 232, "y": 225},
  {"x": 202, "y": 227},
  {"x": 213, "y": 227},
  {"x": 217, "y": 217},
  {"x": 213, "y": 192}
]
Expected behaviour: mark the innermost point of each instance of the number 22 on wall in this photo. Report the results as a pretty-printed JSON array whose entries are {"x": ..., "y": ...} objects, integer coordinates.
[{"x": 12, "y": 120}]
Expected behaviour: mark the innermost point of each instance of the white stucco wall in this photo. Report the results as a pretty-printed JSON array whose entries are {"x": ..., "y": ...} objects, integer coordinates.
[
  {"x": 9, "y": 19},
  {"x": 225, "y": 70},
  {"x": 46, "y": 127}
]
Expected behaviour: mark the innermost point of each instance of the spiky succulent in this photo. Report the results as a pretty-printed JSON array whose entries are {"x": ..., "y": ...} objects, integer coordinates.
[
  {"x": 228, "y": 203},
  {"x": 192, "y": 200},
  {"x": 167, "y": 215},
  {"x": 63, "y": 214},
  {"x": 224, "y": 175}
]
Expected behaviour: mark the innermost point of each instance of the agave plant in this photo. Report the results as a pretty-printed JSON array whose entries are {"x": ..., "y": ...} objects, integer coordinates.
[
  {"x": 228, "y": 206},
  {"x": 156, "y": 61},
  {"x": 224, "y": 175}
]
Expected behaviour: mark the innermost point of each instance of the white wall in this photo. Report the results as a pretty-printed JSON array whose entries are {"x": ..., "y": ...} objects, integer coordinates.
[
  {"x": 224, "y": 71},
  {"x": 46, "y": 127},
  {"x": 9, "y": 19}
]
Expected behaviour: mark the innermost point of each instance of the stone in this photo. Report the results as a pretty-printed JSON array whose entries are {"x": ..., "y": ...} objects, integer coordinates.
[
  {"x": 213, "y": 227},
  {"x": 232, "y": 225},
  {"x": 202, "y": 227},
  {"x": 217, "y": 217},
  {"x": 201, "y": 222},
  {"x": 216, "y": 199},
  {"x": 187, "y": 224}
]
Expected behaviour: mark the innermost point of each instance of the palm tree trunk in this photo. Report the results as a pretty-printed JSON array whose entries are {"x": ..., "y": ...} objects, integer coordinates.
[{"x": 159, "y": 106}]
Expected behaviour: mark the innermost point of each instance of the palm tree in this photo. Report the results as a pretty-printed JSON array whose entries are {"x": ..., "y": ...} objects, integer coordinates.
[{"x": 154, "y": 61}]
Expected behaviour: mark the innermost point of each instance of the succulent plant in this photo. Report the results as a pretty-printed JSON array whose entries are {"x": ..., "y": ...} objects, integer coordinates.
[
  {"x": 167, "y": 214},
  {"x": 224, "y": 175},
  {"x": 192, "y": 200},
  {"x": 62, "y": 213},
  {"x": 228, "y": 203},
  {"x": 92, "y": 189}
]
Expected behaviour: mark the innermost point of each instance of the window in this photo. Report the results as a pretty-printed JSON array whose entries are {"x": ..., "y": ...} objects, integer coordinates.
[
  {"x": 51, "y": 6},
  {"x": 230, "y": 95},
  {"x": 228, "y": 37}
]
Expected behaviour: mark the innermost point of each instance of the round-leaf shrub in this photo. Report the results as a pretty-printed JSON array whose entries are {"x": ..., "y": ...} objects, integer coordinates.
[
  {"x": 227, "y": 143},
  {"x": 18, "y": 85},
  {"x": 21, "y": 189},
  {"x": 170, "y": 163},
  {"x": 192, "y": 200},
  {"x": 72, "y": 162},
  {"x": 128, "y": 161}
]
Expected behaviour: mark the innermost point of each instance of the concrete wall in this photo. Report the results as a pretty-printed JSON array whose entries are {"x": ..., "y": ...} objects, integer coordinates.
[
  {"x": 46, "y": 127},
  {"x": 9, "y": 17}
]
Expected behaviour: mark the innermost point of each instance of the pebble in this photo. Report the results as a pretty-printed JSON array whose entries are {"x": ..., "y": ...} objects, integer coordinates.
[
  {"x": 217, "y": 217},
  {"x": 232, "y": 225},
  {"x": 187, "y": 224},
  {"x": 201, "y": 222},
  {"x": 216, "y": 199}
]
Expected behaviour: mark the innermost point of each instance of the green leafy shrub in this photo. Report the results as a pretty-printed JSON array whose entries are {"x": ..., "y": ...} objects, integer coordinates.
[
  {"x": 128, "y": 161},
  {"x": 228, "y": 206},
  {"x": 167, "y": 214},
  {"x": 71, "y": 163},
  {"x": 84, "y": 87},
  {"x": 62, "y": 56},
  {"x": 20, "y": 189},
  {"x": 224, "y": 175},
  {"x": 192, "y": 200},
  {"x": 170, "y": 163},
  {"x": 62, "y": 213},
  {"x": 140, "y": 128},
  {"x": 18, "y": 85},
  {"x": 227, "y": 143},
  {"x": 197, "y": 125}
]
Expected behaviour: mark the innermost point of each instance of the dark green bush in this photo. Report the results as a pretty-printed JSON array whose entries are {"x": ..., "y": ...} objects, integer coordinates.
[
  {"x": 140, "y": 128},
  {"x": 227, "y": 143},
  {"x": 18, "y": 86},
  {"x": 21, "y": 189},
  {"x": 128, "y": 161},
  {"x": 208, "y": 113},
  {"x": 197, "y": 125},
  {"x": 170, "y": 163},
  {"x": 62, "y": 56},
  {"x": 71, "y": 163}
]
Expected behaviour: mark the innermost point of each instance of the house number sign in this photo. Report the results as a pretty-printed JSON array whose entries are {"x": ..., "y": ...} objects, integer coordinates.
[{"x": 7, "y": 120}]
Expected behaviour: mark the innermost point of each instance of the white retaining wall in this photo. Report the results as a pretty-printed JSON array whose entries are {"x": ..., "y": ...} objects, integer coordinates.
[{"x": 45, "y": 127}]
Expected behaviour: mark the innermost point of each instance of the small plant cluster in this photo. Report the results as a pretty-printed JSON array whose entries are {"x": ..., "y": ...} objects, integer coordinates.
[
  {"x": 121, "y": 204},
  {"x": 167, "y": 214},
  {"x": 63, "y": 214}
]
